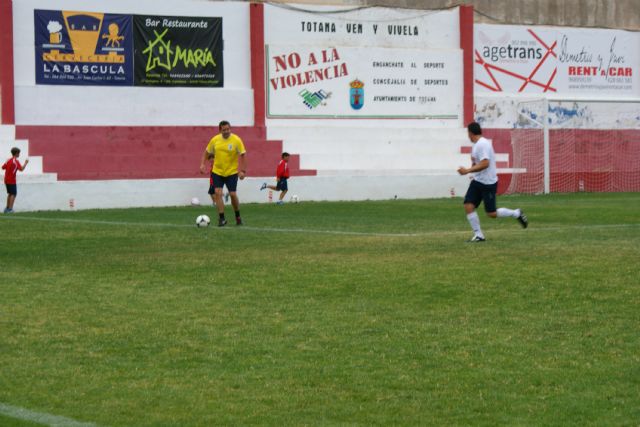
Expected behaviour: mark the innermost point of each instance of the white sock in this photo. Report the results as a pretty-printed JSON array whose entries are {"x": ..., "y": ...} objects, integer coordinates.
[
  {"x": 504, "y": 212},
  {"x": 474, "y": 221}
]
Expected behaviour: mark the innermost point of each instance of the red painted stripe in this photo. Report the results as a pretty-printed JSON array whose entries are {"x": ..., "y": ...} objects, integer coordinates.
[
  {"x": 487, "y": 86},
  {"x": 466, "y": 44},
  {"x": 543, "y": 43},
  {"x": 148, "y": 152},
  {"x": 256, "y": 19},
  {"x": 548, "y": 85},
  {"x": 478, "y": 59},
  {"x": 6, "y": 62},
  {"x": 535, "y": 70}
]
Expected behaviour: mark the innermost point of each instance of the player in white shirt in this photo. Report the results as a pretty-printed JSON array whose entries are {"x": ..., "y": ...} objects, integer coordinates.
[{"x": 484, "y": 185}]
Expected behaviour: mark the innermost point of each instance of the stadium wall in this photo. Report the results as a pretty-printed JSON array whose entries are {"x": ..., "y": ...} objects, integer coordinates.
[
  {"x": 137, "y": 146},
  {"x": 621, "y": 14},
  {"x": 133, "y": 146},
  {"x": 112, "y": 132},
  {"x": 6, "y": 63},
  {"x": 589, "y": 78},
  {"x": 594, "y": 144}
]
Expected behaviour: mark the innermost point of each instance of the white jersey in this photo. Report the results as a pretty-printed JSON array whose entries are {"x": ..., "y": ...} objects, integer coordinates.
[{"x": 483, "y": 149}]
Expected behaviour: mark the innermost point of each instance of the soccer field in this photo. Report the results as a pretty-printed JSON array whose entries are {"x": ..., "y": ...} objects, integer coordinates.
[{"x": 351, "y": 313}]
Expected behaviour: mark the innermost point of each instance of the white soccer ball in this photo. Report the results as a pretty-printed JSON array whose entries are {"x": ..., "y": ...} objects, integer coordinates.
[
  {"x": 294, "y": 199},
  {"x": 195, "y": 202},
  {"x": 203, "y": 221}
]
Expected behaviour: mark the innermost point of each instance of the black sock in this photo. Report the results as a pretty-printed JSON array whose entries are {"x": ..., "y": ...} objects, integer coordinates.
[
  {"x": 237, "y": 214},
  {"x": 221, "y": 215}
]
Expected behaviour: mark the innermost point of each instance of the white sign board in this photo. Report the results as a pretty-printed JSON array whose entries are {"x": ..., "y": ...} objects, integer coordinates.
[
  {"x": 570, "y": 61},
  {"x": 350, "y": 82},
  {"x": 599, "y": 62},
  {"x": 370, "y": 26},
  {"x": 339, "y": 62}
]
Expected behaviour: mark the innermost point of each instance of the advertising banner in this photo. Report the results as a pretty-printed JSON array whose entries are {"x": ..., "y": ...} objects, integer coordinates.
[
  {"x": 334, "y": 25},
  {"x": 350, "y": 82},
  {"x": 178, "y": 51},
  {"x": 599, "y": 62},
  {"x": 570, "y": 61},
  {"x": 83, "y": 48}
]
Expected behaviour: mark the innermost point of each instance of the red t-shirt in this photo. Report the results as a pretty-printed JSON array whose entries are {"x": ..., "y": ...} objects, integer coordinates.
[
  {"x": 283, "y": 170},
  {"x": 11, "y": 167}
]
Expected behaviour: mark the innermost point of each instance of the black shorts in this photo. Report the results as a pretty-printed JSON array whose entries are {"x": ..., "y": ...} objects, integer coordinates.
[
  {"x": 479, "y": 192},
  {"x": 218, "y": 181},
  {"x": 282, "y": 185},
  {"x": 12, "y": 189}
]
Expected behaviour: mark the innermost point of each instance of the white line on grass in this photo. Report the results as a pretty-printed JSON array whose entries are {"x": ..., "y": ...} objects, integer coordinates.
[
  {"x": 312, "y": 231},
  {"x": 336, "y": 232},
  {"x": 39, "y": 417}
]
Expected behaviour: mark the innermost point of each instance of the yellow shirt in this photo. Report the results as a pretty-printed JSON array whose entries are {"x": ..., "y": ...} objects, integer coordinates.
[{"x": 226, "y": 152}]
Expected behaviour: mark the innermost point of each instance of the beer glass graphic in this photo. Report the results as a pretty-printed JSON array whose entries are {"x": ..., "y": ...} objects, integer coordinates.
[
  {"x": 55, "y": 32},
  {"x": 55, "y": 38}
]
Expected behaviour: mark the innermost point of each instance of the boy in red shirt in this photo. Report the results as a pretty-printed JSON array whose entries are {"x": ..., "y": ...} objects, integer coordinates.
[
  {"x": 11, "y": 168},
  {"x": 282, "y": 174}
]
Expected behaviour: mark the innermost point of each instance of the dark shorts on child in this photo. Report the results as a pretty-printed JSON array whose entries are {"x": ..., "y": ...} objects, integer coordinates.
[
  {"x": 218, "y": 181},
  {"x": 12, "y": 189},
  {"x": 479, "y": 192},
  {"x": 282, "y": 185}
]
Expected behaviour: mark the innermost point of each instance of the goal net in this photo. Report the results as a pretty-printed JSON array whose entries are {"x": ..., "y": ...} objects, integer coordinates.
[{"x": 576, "y": 145}]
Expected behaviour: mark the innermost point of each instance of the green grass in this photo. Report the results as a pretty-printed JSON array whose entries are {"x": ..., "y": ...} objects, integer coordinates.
[
  {"x": 359, "y": 313},
  {"x": 13, "y": 422}
]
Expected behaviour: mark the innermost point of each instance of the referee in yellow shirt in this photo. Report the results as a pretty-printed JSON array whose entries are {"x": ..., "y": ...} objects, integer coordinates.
[{"x": 229, "y": 163}]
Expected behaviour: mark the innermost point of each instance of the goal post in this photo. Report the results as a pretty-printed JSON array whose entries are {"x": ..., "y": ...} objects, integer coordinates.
[{"x": 572, "y": 145}]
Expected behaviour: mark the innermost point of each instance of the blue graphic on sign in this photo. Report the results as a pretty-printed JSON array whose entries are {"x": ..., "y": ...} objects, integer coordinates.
[{"x": 356, "y": 94}]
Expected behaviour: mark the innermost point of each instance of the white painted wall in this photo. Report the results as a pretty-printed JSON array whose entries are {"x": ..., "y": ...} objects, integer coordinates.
[
  {"x": 432, "y": 146},
  {"x": 80, "y": 195},
  {"x": 510, "y": 112},
  {"x": 33, "y": 172},
  {"x": 135, "y": 106}
]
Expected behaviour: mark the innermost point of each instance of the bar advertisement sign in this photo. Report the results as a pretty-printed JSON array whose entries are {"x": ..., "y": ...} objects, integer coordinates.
[
  {"x": 83, "y": 48},
  {"x": 178, "y": 51},
  {"x": 93, "y": 48}
]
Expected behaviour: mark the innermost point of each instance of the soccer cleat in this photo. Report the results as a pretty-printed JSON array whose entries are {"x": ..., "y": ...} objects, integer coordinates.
[
  {"x": 279, "y": 202},
  {"x": 264, "y": 185},
  {"x": 522, "y": 219},
  {"x": 226, "y": 197},
  {"x": 239, "y": 221},
  {"x": 7, "y": 210},
  {"x": 476, "y": 239},
  {"x": 222, "y": 222}
]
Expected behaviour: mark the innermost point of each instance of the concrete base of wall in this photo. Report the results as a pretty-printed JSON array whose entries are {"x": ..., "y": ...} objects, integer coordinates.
[{"x": 79, "y": 195}]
